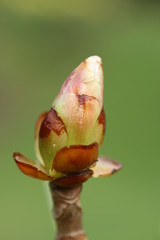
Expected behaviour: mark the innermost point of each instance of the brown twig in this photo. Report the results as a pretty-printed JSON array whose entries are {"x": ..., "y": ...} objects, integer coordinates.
[{"x": 68, "y": 212}]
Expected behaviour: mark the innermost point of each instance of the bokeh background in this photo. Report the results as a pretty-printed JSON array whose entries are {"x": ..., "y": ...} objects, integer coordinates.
[{"x": 41, "y": 42}]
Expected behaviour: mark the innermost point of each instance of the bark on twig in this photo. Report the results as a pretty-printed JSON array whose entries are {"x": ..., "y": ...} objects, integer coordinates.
[{"x": 68, "y": 212}]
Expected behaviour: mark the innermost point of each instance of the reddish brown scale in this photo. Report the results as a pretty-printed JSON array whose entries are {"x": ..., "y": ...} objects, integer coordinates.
[
  {"x": 102, "y": 120},
  {"x": 52, "y": 122},
  {"x": 83, "y": 98},
  {"x": 74, "y": 179},
  {"x": 76, "y": 158},
  {"x": 39, "y": 122},
  {"x": 29, "y": 169}
]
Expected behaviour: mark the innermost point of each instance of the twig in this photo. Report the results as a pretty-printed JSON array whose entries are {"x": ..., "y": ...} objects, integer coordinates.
[{"x": 68, "y": 212}]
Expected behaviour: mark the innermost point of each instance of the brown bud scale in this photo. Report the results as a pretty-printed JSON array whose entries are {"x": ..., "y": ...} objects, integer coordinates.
[
  {"x": 76, "y": 158},
  {"x": 52, "y": 122}
]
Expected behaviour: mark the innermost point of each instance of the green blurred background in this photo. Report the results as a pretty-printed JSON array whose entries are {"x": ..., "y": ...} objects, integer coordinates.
[{"x": 41, "y": 42}]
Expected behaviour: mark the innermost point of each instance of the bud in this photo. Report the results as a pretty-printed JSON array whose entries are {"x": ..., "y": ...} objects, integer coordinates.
[
  {"x": 73, "y": 130},
  {"x": 68, "y": 137}
]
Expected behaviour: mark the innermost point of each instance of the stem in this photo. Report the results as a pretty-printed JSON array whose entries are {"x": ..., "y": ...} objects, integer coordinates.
[{"x": 68, "y": 212}]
